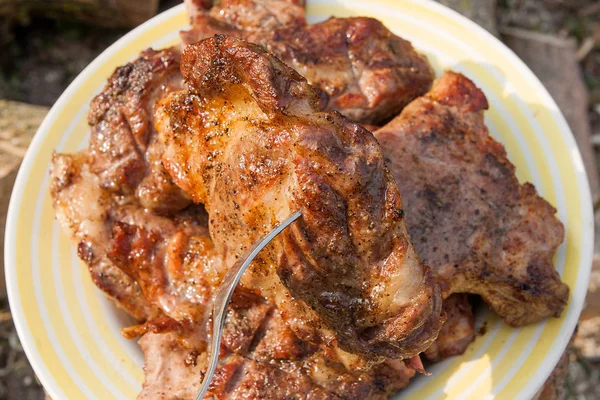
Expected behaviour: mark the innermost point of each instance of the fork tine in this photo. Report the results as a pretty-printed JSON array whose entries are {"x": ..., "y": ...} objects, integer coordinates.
[{"x": 223, "y": 296}]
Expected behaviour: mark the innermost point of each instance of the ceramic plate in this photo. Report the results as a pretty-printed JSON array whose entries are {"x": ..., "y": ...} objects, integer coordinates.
[{"x": 70, "y": 332}]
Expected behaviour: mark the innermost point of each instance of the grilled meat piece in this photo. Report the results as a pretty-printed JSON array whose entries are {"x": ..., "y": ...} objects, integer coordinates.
[
  {"x": 247, "y": 139},
  {"x": 457, "y": 332},
  {"x": 261, "y": 358},
  {"x": 106, "y": 228},
  {"x": 121, "y": 175},
  {"x": 248, "y": 14},
  {"x": 82, "y": 207},
  {"x": 170, "y": 258},
  {"x": 469, "y": 218},
  {"x": 240, "y": 17},
  {"x": 123, "y": 149},
  {"x": 255, "y": 335},
  {"x": 368, "y": 73}
]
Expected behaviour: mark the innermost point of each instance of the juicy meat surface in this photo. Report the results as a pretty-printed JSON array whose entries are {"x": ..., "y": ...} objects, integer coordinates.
[
  {"x": 368, "y": 73},
  {"x": 469, "y": 218},
  {"x": 82, "y": 208},
  {"x": 169, "y": 258},
  {"x": 123, "y": 149},
  {"x": 261, "y": 358},
  {"x": 109, "y": 198},
  {"x": 248, "y": 14},
  {"x": 130, "y": 268},
  {"x": 457, "y": 332},
  {"x": 248, "y": 141}
]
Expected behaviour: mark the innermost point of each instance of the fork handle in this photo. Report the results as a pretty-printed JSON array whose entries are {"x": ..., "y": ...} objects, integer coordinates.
[{"x": 223, "y": 296}]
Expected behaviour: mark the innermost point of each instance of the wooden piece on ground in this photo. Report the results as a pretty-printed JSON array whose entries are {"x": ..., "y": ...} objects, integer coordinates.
[
  {"x": 588, "y": 44},
  {"x": 114, "y": 13},
  {"x": 554, "y": 62},
  {"x": 482, "y": 12},
  {"x": 18, "y": 123}
]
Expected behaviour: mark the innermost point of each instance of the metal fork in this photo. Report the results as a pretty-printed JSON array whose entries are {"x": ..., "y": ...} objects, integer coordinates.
[{"x": 223, "y": 296}]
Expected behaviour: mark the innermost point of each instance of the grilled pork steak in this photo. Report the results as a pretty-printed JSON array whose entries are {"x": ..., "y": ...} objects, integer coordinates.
[
  {"x": 470, "y": 219},
  {"x": 103, "y": 196},
  {"x": 247, "y": 14},
  {"x": 162, "y": 270},
  {"x": 368, "y": 73},
  {"x": 123, "y": 149},
  {"x": 82, "y": 208},
  {"x": 248, "y": 141},
  {"x": 457, "y": 332},
  {"x": 261, "y": 358},
  {"x": 96, "y": 219}
]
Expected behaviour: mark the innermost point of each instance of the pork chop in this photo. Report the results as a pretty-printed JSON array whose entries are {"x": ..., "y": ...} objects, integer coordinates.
[
  {"x": 470, "y": 220},
  {"x": 261, "y": 358},
  {"x": 95, "y": 218},
  {"x": 368, "y": 73},
  {"x": 123, "y": 149},
  {"x": 248, "y": 141},
  {"x": 457, "y": 332},
  {"x": 119, "y": 184}
]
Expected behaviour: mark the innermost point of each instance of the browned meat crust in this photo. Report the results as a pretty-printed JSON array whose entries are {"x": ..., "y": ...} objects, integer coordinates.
[
  {"x": 95, "y": 218},
  {"x": 123, "y": 149},
  {"x": 248, "y": 141},
  {"x": 368, "y": 73},
  {"x": 114, "y": 184},
  {"x": 261, "y": 358},
  {"x": 469, "y": 218},
  {"x": 250, "y": 14},
  {"x": 82, "y": 209},
  {"x": 457, "y": 332}
]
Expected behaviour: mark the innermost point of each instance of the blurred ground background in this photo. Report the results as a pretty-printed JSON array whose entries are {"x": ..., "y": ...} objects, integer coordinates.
[{"x": 43, "y": 49}]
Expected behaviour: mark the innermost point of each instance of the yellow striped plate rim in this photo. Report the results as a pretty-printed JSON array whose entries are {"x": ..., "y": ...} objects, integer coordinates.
[{"x": 70, "y": 332}]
